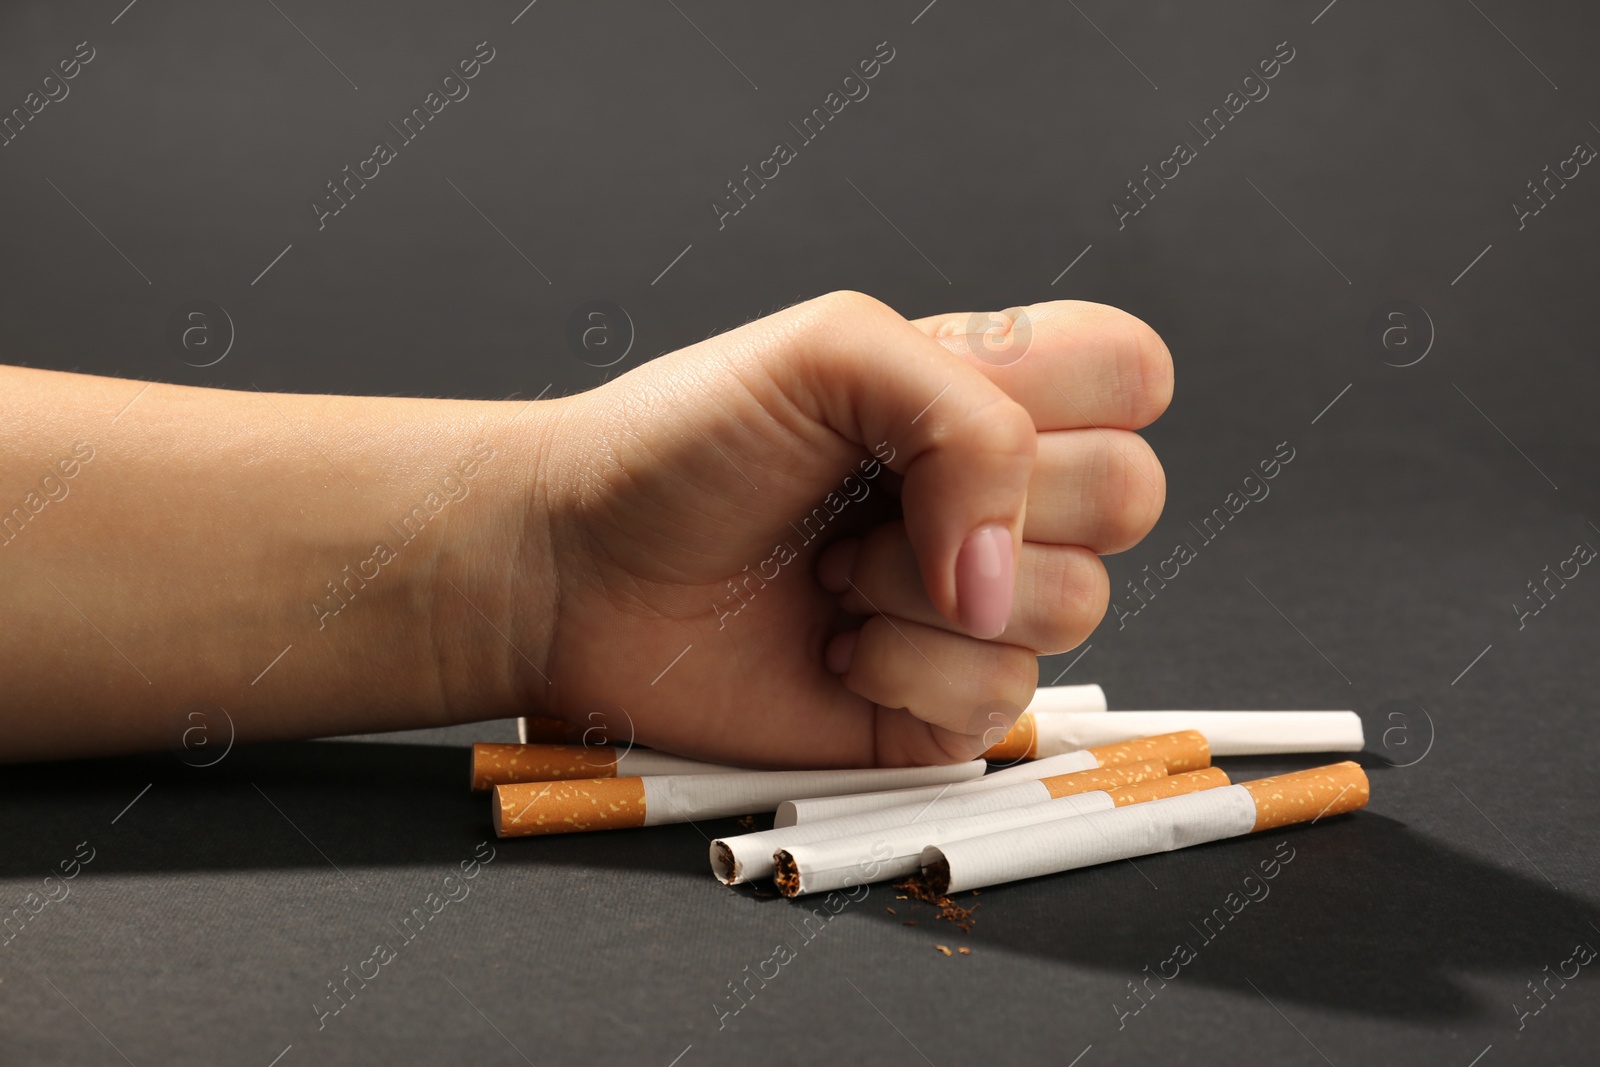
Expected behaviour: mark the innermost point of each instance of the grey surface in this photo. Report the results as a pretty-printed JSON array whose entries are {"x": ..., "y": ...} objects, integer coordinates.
[{"x": 1387, "y": 558}]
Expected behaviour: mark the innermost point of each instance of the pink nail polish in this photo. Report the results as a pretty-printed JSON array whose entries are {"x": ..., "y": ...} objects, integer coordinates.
[
  {"x": 985, "y": 578},
  {"x": 841, "y": 651}
]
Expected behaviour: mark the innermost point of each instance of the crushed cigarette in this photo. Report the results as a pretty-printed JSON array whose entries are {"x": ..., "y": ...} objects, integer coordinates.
[
  {"x": 964, "y": 951},
  {"x": 943, "y": 948}
]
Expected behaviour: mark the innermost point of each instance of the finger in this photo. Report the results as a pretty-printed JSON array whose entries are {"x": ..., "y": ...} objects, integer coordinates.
[
  {"x": 900, "y": 739},
  {"x": 1071, "y": 363},
  {"x": 945, "y": 679},
  {"x": 1062, "y": 590},
  {"x": 1103, "y": 489},
  {"x": 964, "y": 447}
]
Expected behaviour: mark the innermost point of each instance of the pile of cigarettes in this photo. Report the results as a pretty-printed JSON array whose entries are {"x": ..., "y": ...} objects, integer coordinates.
[{"x": 1078, "y": 785}]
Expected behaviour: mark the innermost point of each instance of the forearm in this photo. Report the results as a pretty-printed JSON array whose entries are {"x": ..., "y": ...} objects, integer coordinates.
[{"x": 158, "y": 556}]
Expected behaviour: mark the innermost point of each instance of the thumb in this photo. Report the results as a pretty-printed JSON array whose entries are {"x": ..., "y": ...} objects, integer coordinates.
[{"x": 964, "y": 448}]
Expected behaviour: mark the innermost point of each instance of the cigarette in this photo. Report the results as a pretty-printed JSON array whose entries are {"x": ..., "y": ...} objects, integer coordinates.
[
  {"x": 1231, "y": 733},
  {"x": 1143, "y": 829},
  {"x": 525, "y": 808},
  {"x": 745, "y": 857},
  {"x": 894, "y": 852},
  {"x": 1068, "y": 698},
  {"x": 1183, "y": 751},
  {"x": 494, "y": 765},
  {"x": 1018, "y": 742}
]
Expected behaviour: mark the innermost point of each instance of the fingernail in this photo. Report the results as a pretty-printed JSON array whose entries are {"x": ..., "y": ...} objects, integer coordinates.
[
  {"x": 837, "y": 563},
  {"x": 841, "y": 651},
  {"x": 985, "y": 577}
]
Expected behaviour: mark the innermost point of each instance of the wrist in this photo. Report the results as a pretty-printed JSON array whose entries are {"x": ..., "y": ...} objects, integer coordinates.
[{"x": 494, "y": 586}]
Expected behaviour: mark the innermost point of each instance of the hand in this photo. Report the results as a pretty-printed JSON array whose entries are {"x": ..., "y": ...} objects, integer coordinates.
[{"x": 833, "y": 537}]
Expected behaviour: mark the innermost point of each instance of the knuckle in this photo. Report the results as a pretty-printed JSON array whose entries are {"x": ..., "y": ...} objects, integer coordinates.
[
  {"x": 1148, "y": 370},
  {"x": 1013, "y": 675},
  {"x": 1001, "y": 427},
  {"x": 878, "y": 670},
  {"x": 1075, "y": 598},
  {"x": 848, "y": 303},
  {"x": 1143, "y": 364},
  {"x": 1135, "y": 492}
]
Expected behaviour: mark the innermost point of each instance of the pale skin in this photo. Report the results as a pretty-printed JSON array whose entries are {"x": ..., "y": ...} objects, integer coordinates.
[{"x": 558, "y": 557}]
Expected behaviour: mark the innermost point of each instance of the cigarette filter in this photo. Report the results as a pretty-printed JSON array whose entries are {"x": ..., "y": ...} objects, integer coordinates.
[
  {"x": 894, "y": 852},
  {"x": 1142, "y": 829},
  {"x": 494, "y": 765},
  {"x": 1184, "y": 751},
  {"x": 1231, "y": 733},
  {"x": 524, "y": 808},
  {"x": 749, "y": 856}
]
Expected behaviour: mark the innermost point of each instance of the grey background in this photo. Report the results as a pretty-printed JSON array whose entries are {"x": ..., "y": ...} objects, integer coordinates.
[{"x": 1380, "y": 574}]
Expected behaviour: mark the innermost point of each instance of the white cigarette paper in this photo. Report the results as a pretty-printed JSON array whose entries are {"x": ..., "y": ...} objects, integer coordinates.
[
  {"x": 896, "y": 851},
  {"x": 1068, "y": 698},
  {"x": 815, "y": 809},
  {"x": 749, "y": 856},
  {"x": 1185, "y": 750},
  {"x": 1231, "y": 733},
  {"x": 1064, "y": 845},
  {"x": 680, "y": 798},
  {"x": 1143, "y": 829}
]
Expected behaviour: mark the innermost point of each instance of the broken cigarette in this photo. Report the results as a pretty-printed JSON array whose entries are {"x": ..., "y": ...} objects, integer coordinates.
[
  {"x": 494, "y": 765},
  {"x": 525, "y": 808},
  {"x": 894, "y": 852},
  {"x": 1048, "y": 732},
  {"x": 1143, "y": 829},
  {"x": 745, "y": 857},
  {"x": 1186, "y": 750}
]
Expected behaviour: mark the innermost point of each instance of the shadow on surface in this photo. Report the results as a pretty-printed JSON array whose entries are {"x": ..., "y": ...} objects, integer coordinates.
[
  {"x": 1368, "y": 916},
  {"x": 364, "y": 804}
]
